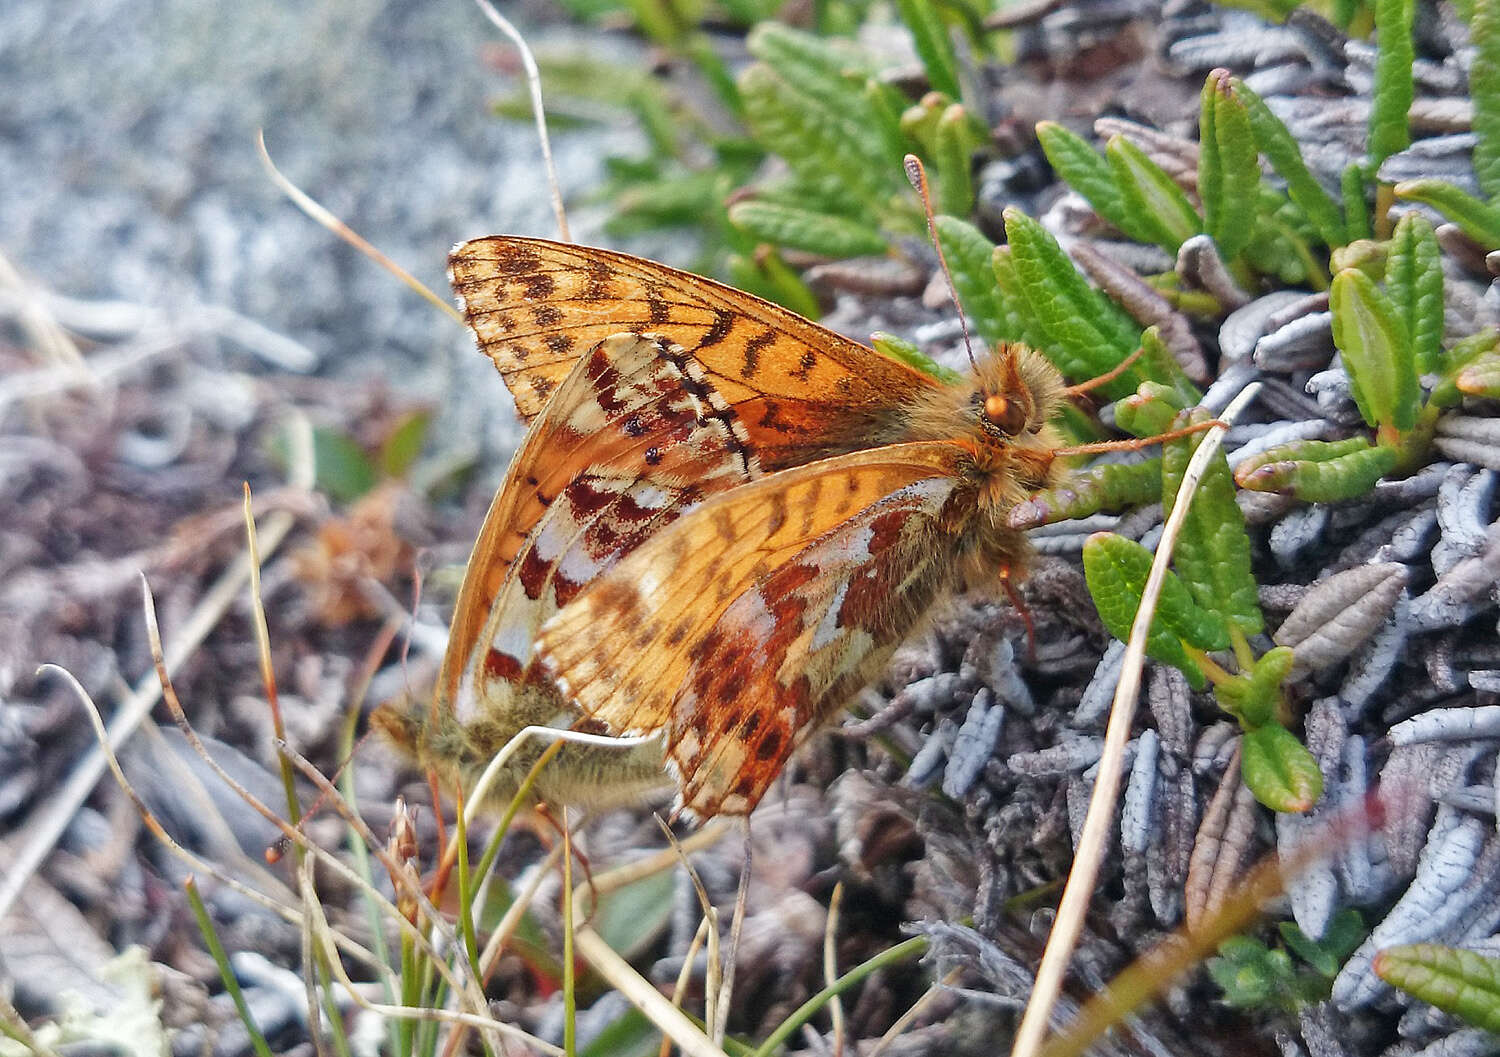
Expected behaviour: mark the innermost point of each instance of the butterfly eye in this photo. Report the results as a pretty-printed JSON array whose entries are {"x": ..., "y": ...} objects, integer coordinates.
[{"x": 1006, "y": 415}]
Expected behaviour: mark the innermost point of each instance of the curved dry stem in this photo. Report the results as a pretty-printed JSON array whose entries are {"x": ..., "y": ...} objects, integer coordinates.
[
  {"x": 314, "y": 209},
  {"x": 640, "y": 992},
  {"x": 831, "y": 967},
  {"x": 534, "y": 87},
  {"x": 1100, "y": 818}
]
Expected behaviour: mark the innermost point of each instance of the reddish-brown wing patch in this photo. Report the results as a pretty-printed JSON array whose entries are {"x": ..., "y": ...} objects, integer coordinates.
[
  {"x": 748, "y": 622},
  {"x": 802, "y": 391}
]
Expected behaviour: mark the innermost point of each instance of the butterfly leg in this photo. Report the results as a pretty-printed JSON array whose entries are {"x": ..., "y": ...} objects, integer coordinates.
[{"x": 1009, "y": 586}]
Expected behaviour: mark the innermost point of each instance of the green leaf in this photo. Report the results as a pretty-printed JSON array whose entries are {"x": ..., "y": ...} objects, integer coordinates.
[
  {"x": 1085, "y": 170},
  {"x": 1394, "y": 91},
  {"x": 954, "y": 152},
  {"x": 803, "y": 229},
  {"x": 1414, "y": 280},
  {"x": 822, "y": 135},
  {"x": 1376, "y": 350},
  {"x": 1149, "y": 411},
  {"x": 1318, "y": 471},
  {"x": 969, "y": 256},
  {"x": 1279, "y": 770},
  {"x": 903, "y": 351},
  {"x": 404, "y": 444},
  {"x": 767, "y": 276},
  {"x": 342, "y": 469},
  {"x": 630, "y": 1035},
  {"x": 1479, "y": 220},
  {"x": 1116, "y": 570},
  {"x": 1464, "y": 983},
  {"x": 1083, "y": 333},
  {"x": 1484, "y": 89},
  {"x": 1254, "y": 697},
  {"x": 934, "y": 46},
  {"x": 1367, "y": 255},
  {"x": 1152, "y": 198},
  {"x": 1023, "y": 320},
  {"x": 1228, "y": 166},
  {"x": 1109, "y": 486},
  {"x": 632, "y": 918},
  {"x": 1281, "y": 150},
  {"x": 1481, "y": 377},
  {"x": 1213, "y": 551},
  {"x": 1341, "y": 936},
  {"x": 1158, "y": 364},
  {"x": 1356, "y": 209},
  {"x": 817, "y": 66}
]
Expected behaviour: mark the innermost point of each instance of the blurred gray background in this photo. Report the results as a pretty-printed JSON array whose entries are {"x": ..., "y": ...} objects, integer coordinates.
[{"x": 128, "y": 168}]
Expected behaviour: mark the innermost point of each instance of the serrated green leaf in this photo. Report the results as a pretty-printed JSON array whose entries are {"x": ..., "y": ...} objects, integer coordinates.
[
  {"x": 903, "y": 351},
  {"x": 819, "y": 137},
  {"x": 1158, "y": 364},
  {"x": 1107, "y": 487},
  {"x": 969, "y": 255},
  {"x": 821, "y": 67},
  {"x": 1083, "y": 332},
  {"x": 1152, "y": 198},
  {"x": 1228, "y": 166},
  {"x": 1023, "y": 320},
  {"x": 1394, "y": 88},
  {"x": 404, "y": 443},
  {"x": 1085, "y": 170},
  {"x": 933, "y": 44},
  {"x": 1484, "y": 89},
  {"x": 1414, "y": 281},
  {"x": 1464, "y": 983},
  {"x": 1213, "y": 550},
  {"x": 1116, "y": 570},
  {"x": 1279, "y": 770},
  {"x": 1281, "y": 150},
  {"x": 1318, "y": 471},
  {"x": 803, "y": 229},
  {"x": 1356, "y": 209},
  {"x": 953, "y": 154},
  {"x": 886, "y": 102},
  {"x": 1479, "y": 220},
  {"x": 1376, "y": 350}
]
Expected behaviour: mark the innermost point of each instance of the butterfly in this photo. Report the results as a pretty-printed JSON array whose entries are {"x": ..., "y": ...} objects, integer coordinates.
[{"x": 723, "y": 520}]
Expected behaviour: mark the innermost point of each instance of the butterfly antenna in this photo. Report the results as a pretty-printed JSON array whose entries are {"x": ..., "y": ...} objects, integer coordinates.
[
  {"x": 534, "y": 86},
  {"x": 917, "y": 176}
]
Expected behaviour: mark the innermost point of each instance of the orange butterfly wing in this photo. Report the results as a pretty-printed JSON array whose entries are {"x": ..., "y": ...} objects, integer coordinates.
[
  {"x": 743, "y": 626},
  {"x": 632, "y": 437},
  {"x": 801, "y": 391}
]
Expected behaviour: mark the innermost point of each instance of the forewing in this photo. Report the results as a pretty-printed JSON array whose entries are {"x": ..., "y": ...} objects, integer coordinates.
[
  {"x": 634, "y": 437},
  {"x": 639, "y": 642},
  {"x": 801, "y": 390}
]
